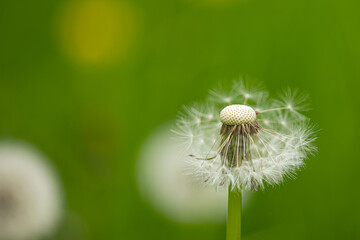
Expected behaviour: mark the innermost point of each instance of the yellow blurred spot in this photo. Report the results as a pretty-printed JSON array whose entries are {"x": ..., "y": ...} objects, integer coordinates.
[{"x": 97, "y": 32}]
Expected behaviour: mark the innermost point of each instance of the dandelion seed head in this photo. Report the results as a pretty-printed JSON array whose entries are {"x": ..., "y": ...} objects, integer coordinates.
[
  {"x": 30, "y": 196},
  {"x": 256, "y": 142}
]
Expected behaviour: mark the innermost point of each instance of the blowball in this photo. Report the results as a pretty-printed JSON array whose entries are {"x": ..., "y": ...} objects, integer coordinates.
[
  {"x": 30, "y": 195},
  {"x": 243, "y": 148}
]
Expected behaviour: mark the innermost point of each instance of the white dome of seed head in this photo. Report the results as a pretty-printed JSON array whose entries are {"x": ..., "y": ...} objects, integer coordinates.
[{"x": 237, "y": 114}]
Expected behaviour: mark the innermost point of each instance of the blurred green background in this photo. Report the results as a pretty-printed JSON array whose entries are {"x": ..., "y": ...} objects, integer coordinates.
[{"x": 87, "y": 81}]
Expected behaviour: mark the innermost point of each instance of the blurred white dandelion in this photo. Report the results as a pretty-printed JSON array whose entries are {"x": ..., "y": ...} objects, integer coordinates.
[
  {"x": 164, "y": 185},
  {"x": 244, "y": 139},
  {"x": 30, "y": 199}
]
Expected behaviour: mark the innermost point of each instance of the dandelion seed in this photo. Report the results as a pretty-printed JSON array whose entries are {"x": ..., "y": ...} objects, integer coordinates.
[{"x": 250, "y": 141}]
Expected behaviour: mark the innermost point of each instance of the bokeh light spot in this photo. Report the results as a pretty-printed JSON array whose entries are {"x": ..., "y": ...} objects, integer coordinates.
[
  {"x": 94, "y": 32},
  {"x": 163, "y": 183}
]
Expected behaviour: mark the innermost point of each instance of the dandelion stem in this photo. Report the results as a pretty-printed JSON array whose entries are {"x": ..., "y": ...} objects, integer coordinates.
[{"x": 233, "y": 228}]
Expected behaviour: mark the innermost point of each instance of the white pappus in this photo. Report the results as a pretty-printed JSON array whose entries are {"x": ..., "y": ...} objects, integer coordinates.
[{"x": 244, "y": 139}]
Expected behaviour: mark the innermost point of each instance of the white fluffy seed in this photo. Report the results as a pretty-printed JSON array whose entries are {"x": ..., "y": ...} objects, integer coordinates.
[{"x": 237, "y": 114}]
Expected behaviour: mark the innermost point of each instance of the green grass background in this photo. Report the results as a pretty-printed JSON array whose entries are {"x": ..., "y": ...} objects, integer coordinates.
[{"x": 91, "y": 120}]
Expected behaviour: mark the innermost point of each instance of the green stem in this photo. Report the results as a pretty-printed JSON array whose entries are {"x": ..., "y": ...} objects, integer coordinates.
[{"x": 233, "y": 227}]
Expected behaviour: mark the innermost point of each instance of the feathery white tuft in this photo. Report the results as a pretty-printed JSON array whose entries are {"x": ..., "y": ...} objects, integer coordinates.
[{"x": 282, "y": 141}]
